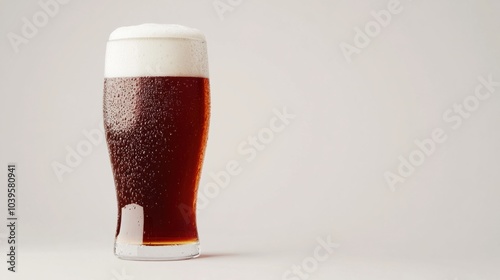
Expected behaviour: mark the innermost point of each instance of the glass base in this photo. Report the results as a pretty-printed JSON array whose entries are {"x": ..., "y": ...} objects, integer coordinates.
[{"x": 157, "y": 253}]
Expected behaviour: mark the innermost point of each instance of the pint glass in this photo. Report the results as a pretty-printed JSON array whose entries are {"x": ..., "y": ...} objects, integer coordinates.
[{"x": 156, "y": 115}]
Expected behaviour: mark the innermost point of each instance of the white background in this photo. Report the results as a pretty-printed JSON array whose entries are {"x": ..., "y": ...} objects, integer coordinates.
[{"x": 321, "y": 176}]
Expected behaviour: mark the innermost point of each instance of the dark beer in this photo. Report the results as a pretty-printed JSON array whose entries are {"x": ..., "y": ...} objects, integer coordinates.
[
  {"x": 157, "y": 158},
  {"x": 156, "y": 115}
]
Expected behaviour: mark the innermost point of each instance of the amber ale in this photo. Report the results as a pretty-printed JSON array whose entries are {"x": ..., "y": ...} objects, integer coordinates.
[{"x": 156, "y": 115}]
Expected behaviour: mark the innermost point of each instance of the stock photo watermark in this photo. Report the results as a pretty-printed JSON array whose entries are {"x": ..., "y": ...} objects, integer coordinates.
[
  {"x": 372, "y": 28},
  {"x": 454, "y": 117},
  {"x": 31, "y": 26},
  {"x": 12, "y": 217},
  {"x": 76, "y": 154},
  {"x": 121, "y": 275},
  {"x": 309, "y": 265},
  {"x": 222, "y": 7},
  {"x": 249, "y": 149}
]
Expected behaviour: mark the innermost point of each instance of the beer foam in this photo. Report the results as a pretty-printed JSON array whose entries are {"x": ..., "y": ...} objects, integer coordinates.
[{"x": 156, "y": 50}]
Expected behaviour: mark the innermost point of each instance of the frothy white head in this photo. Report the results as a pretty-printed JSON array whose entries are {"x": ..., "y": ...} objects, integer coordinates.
[{"x": 156, "y": 50}]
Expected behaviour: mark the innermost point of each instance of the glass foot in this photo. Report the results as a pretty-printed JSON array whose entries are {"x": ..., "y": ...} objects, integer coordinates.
[{"x": 157, "y": 253}]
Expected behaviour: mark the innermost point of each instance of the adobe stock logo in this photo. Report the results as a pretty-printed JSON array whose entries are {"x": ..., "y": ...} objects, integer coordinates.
[
  {"x": 222, "y": 7},
  {"x": 373, "y": 28},
  {"x": 454, "y": 117},
  {"x": 121, "y": 276},
  {"x": 76, "y": 154},
  {"x": 309, "y": 265},
  {"x": 48, "y": 9},
  {"x": 250, "y": 148}
]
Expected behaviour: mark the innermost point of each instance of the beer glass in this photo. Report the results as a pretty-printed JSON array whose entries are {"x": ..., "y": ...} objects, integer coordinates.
[{"x": 156, "y": 116}]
